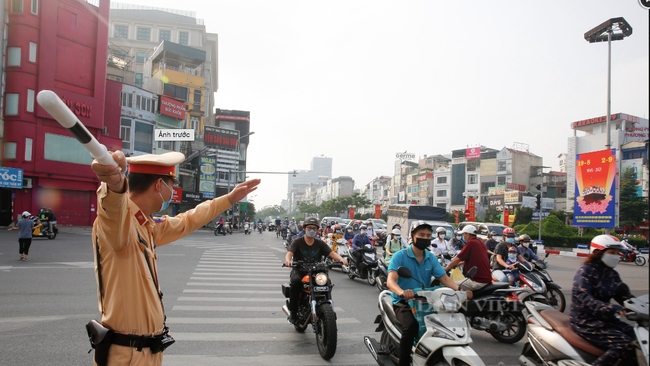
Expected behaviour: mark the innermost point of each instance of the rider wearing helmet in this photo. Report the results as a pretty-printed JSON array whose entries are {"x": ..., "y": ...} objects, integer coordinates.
[
  {"x": 593, "y": 317},
  {"x": 441, "y": 244},
  {"x": 457, "y": 240},
  {"x": 628, "y": 247},
  {"x": 370, "y": 229},
  {"x": 389, "y": 237},
  {"x": 278, "y": 222},
  {"x": 523, "y": 248},
  {"x": 472, "y": 255},
  {"x": 498, "y": 260},
  {"x": 359, "y": 241},
  {"x": 394, "y": 245},
  {"x": 424, "y": 267},
  {"x": 348, "y": 235}
]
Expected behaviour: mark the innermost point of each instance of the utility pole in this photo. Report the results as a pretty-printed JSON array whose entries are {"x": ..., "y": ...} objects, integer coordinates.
[{"x": 538, "y": 198}]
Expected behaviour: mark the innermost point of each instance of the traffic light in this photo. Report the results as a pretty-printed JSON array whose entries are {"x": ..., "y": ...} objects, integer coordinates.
[
  {"x": 538, "y": 199},
  {"x": 539, "y": 187}
]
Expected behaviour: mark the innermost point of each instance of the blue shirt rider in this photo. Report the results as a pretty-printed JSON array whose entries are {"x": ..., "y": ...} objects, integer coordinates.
[
  {"x": 524, "y": 250},
  {"x": 348, "y": 235}
]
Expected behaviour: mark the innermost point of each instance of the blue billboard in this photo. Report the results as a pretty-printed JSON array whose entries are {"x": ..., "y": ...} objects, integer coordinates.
[{"x": 11, "y": 178}]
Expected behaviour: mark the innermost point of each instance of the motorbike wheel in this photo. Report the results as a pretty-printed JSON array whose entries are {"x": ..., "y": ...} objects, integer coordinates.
[
  {"x": 345, "y": 269},
  {"x": 51, "y": 235},
  {"x": 326, "y": 338},
  {"x": 372, "y": 280},
  {"x": 351, "y": 273},
  {"x": 516, "y": 328},
  {"x": 639, "y": 260},
  {"x": 216, "y": 233},
  {"x": 381, "y": 283},
  {"x": 556, "y": 299}
]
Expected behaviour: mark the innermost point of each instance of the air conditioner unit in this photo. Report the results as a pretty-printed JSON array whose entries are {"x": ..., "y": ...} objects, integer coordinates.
[
  {"x": 27, "y": 182},
  {"x": 104, "y": 130}
]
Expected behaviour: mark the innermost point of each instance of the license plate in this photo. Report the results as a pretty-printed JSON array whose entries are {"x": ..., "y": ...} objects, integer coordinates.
[{"x": 321, "y": 288}]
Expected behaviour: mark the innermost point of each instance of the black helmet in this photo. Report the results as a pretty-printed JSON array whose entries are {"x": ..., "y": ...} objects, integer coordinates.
[
  {"x": 418, "y": 224},
  {"x": 311, "y": 221}
]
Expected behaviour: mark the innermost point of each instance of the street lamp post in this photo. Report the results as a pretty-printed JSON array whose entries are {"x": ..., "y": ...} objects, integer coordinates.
[{"x": 230, "y": 172}]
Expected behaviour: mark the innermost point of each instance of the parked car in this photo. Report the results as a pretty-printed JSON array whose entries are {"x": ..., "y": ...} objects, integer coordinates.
[
  {"x": 328, "y": 219},
  {"x": 483, "y": 228}
]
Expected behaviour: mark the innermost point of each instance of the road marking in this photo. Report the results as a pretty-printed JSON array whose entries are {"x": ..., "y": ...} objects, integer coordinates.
[
  {"x": 282, "y": 320},
  {"x": 239, "y": 299},
  {"x": 201, "y": 291},
  {"x": 256, "y": 277},
  {"x": 236, "y": 277},
  {"x": 269, "y": 360},
  {"x": 218, "y": 258},
  {"x": 243, "y": 269},
  {"x": 225, "y": 284},
  {"x": 277, "y": 264},
  {"x": 261, "y": 337},
  {"x": 235, "y": 308}
]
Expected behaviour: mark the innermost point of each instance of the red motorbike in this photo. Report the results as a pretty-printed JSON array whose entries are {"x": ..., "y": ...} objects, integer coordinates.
[{"x": 632, "y": 257}]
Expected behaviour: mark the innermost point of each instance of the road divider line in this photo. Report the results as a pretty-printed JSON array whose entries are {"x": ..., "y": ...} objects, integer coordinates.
[
  {"x": 202, "y": 291},
  {"x": 235, "y": 308},
  {"x": 239, "y": 299},
  {"x": 259, "y": 337},
  {"x": 252, "y": 278},
  {"x": 229, "y": 284},
  {"x": 269, "y": 360},
  {"x": 241, "y": 321}
]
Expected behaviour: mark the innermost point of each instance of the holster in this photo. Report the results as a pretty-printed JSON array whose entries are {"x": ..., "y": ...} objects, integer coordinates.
[{"x": 100, "y": 341}]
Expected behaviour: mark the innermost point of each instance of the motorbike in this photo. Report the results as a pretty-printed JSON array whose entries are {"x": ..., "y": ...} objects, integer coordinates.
[
  {"x": 44, "y": 229},
  {"x": 219, "y": 229},
  {"x": 364, "y": 269},
  {"x": 271, "y": 227},
  {"x": 247, "y": 228},
  {"x": 283, "y": 232},
  {"x": 632, "y": 257},
  {"x": 552, "y": 341},
  {"x": 444, "y": 335},
  {"x": 554, "y": 295},
  {"x": 289, "y": 239},
  {"x": 381, "y": 274},
  {"x": 316, "y": 306},
  {"x": 532, "y": 287},
  {"x": 341, "y": 248},
  {"x": 260, "y": 228}
]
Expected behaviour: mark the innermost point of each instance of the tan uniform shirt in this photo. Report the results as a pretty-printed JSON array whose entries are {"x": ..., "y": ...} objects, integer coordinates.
[{"x": 131, "y": 304}]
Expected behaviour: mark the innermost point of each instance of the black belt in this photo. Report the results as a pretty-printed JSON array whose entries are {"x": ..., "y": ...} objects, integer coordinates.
[{"x": 135, "y": 341}]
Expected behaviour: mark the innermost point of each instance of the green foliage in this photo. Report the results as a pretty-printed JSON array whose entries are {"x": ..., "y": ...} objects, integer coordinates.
[
  {"x": 559, "y": 214},
  {"x": 273, "y": 211},
  {"x": 307, "y": 208},
  {"x": 492, "y": 215},
  {"x": 633, "y": 210},
  {"x": 523, "y": 216},
  {"x": 451, "y": 217},
  {"x": 518, "y": 228}
]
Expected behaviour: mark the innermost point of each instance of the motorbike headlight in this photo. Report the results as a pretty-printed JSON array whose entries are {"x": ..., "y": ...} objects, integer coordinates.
[
  {"x": 440, "y": 334},
  {"x": 321, "y": 279},
  {"x": 534, "y": 285},
  {"x": 450, "y": 302}
]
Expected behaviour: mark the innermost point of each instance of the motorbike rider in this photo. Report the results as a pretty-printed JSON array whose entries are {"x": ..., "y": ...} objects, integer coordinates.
[
  {"x": 348, "y": 235},
  {"x": 512, "y": 274},
  {"x": 293, "y": 228},
  {"x": 628, "y": 247},
  {"x": 490, "y": 244},
  {"x": 501, "y": 251},
  {"x": 51, "y": 219},
  {"x": 278, "y": 222},
  {"x": 442, "y": 245},
  {"x": 394, "y": 245},
  {"x": 336, "y": 235},
  {"x": 329, "y": 229},
  {"x": 399, "y": 227},
  {"x": 423, "y": 266},
  {"x": 310, "y": 249},
  {"x": 457, "y": 240},
  {"x": 523, "y": 248},
  {"x": 370, "y": 231},
  {"x": 220, "y": 224},
  {"x": 259, "y": 223},
  {"x": 359, "y": 241},
  {"x": 472, "y": 256},
  {"x": 593, "y": 317}
]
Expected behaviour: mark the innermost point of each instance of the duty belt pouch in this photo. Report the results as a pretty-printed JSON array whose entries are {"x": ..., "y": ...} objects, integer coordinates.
[{"x": 100, "y": 341}]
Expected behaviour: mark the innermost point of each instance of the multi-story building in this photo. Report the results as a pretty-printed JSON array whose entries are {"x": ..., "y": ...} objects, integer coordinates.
[
  {"x": 138, "y": 120},
  {"x": 320, "y": 167},
  {"x": 377, "y": 191},
  {"x": 634, "y": 157},
  {"x": 555, "y": 186},
  {"x": 442, "y": 187},
  {"x": 425, "y": 184},
  {"x": 624, "y": 129},
  {"x": 49, "y": 45},
  {"x": 562, "y": 161},
  {"x": 398, "y": 188}
]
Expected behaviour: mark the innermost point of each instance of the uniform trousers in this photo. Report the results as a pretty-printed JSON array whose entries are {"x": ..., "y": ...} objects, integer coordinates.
[{"x": 123, "y": 356}]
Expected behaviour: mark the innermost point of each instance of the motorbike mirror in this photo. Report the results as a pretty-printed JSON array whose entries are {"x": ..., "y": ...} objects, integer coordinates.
[
  {"x": 471, "y": 272},
  {"x": 404, "y": 272},
  {"x": 622, "y": 293},
  {"x": 547, "y": 254}
]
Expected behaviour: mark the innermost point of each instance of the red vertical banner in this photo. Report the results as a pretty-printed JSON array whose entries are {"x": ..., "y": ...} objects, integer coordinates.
[
  {"x": 456, "y": 214},
  {"x": 377, "y": 211},
  {"x": 471, "y": 206},
  {"x": 352, "y": 213},
  {"x": 506, "y": 217}
]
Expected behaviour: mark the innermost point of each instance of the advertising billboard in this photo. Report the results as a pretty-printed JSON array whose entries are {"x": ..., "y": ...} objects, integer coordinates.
[
  {"x": 220, "y": 137},
  {"x": 473, "y": 152},
  {"x": 172, "y": 107},
  {"x": 11, "y": 178},
  {"x": 594, "y": 204},
  {"x": 511, "y": 197},
  {"x": 208, "y": 176},
  {"x": 497, "y": 191}
]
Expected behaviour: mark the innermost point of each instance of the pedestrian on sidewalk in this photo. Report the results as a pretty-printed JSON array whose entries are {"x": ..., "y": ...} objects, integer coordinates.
[{"x": 24, "y": 235}]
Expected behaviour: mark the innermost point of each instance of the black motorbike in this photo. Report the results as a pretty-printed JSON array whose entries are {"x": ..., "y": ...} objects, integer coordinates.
[
  {"x": 365, "y": 268},
  {"x": 260, "y": 228},
  {"x": 219, "y": 229},
  {"x": 381, "y": 274},
  {"x": 316, "y": 307},
  {"x": 289, "y": 239},
  {"x": 45, "y": 229},
  {"x": 554, "y": 294},
  {"x": 283, "y": 232}
]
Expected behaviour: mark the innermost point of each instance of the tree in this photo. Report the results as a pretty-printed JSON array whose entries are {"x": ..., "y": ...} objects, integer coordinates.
[
  {"x": 559, "y": 214},
  {"x": 250, "y": 207},
  {"x": 491, "y": 215},
  {"x": 307, "y": 208},
  {"x": 273, "y": 211},
  {"x": 523, "y": 216},
  {"x": 633, "y": 209}
]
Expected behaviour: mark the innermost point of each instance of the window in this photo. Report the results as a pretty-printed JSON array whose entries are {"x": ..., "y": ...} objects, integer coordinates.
[
  {"x": 138, "y": 80},
  {"x": 501, "y": 166},
  {"x": 114, "y": 78},
  {"x": 10, "y": 150},
  {"x": 32, "y": 52},
  {"x": 121, "y": 31},
  {"x": 143, "y": 137},
  {"x": 28, "y": 149},
  {"x": 442, "y": 193},
  {"x": 165, "y": 35},
  {"x": 137, "y": 101},
  {"x": 120, "y": 54},
  {"x": 35, "y": 7},
  {"x": 30, "y": 100},
  {"x": 176, "y": 91},
  {"x": 149, "y": 105},
  {"x": 167, "y": 145},
  {"x": 184, "y": 38},
  {"x": 144, "y": 34},
  {"x": 501, "y": 180},
  {"x": 472, "y": 179},
  {"x": 13, "y": 56},
  {"x": 127, "y": 100},
  {"x": 16, "y": 7},
  {"x": 125, "y": 133},
  {"x": 65, "y": 149},
  {"x": 197, "y": 100},
  {"x": 11, "y": 108},
  {"x": 140, "y": 57},
  {"x": 442, "y": 180},
  {"x": 195, "y": 124}
]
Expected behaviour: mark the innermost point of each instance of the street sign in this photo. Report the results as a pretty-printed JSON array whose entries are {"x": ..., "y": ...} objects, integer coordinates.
[
  {"x": 536, "y": 215},
  {"x": 467, "y": 213},
  {"x": 11, "y": 178}
]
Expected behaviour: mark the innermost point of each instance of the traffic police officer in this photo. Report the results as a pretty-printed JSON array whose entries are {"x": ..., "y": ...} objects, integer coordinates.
[{"x": 125, "y": 237}]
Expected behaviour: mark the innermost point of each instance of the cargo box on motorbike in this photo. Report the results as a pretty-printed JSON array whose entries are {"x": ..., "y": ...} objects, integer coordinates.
[{"x": 286, "y": 290}]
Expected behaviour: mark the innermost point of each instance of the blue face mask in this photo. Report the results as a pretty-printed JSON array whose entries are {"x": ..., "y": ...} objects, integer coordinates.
[
  {"x": 510, "y": 240},
  {"x": 165, "y": 204},
  {"x": 512, "y": 256}
]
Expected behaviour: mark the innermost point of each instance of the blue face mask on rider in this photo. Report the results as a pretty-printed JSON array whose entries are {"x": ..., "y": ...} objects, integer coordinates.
[
  {"x": 165, "y": 204},
  {"x": 512, "y": 256},
  {"x": 510, "y": 240}
]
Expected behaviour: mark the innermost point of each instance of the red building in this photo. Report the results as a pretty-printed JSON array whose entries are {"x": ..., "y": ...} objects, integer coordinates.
[{"x": 60, "y": 45}]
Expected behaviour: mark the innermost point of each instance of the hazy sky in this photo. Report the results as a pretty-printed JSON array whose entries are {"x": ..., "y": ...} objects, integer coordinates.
[{"x": 359, "y": 81}]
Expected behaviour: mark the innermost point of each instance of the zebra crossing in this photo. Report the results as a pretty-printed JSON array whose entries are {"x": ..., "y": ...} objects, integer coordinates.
[{"x": 232, "y": 301}]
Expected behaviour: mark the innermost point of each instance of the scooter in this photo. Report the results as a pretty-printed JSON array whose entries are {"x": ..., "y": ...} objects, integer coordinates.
[
  {"x": 260, "y": 228},
  {"x": 632, "y": 257},
  {"x": 247, "y": 228},
  {"x": 283, "y": 232},
  {"x": 316, "y": 306},
  {"x": 554, "y": 294},
  {"x": 219, "y": 229},
  {"x": 43, "y": 229},
  {"x": 364, "y": 268},
  {"x": 381, "y": 274},
  {"x": 444, "y": 335},
  {"x": 552, "y": 341},
  {"x": 532, "y": 287}
]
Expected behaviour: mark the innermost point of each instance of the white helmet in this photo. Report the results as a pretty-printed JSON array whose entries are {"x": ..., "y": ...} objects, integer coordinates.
[
  {"x": 441, "y": 229},
  {"x": 396, "y": 232},
  {"x": 26, "y": 214},
  {"x": 469, "y": 229},
  {"x": 604, "y": 242}
]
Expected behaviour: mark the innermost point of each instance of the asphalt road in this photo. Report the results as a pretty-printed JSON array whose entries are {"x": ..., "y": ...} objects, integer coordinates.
[{"x": 223, "y": 301}]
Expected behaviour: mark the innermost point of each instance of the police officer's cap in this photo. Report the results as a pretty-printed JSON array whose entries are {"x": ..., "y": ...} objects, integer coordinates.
[{"x": 163, "y": 164}]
